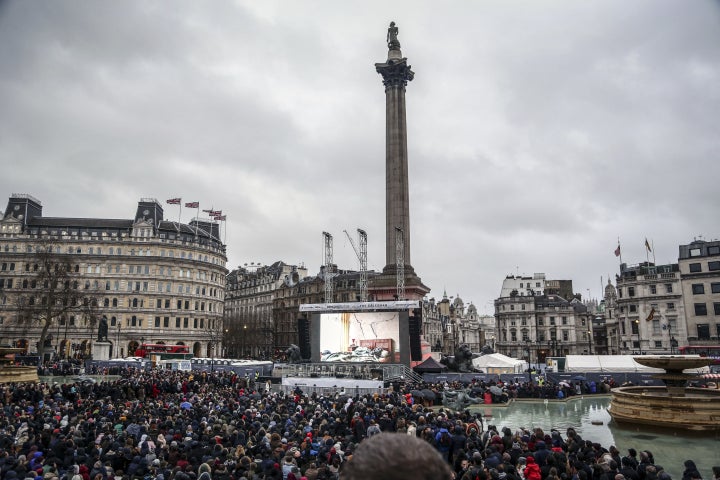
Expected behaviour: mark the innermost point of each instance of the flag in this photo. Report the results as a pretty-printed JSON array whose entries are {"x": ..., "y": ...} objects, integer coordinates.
[
  {"x": 617, "y": 251},
  {"x": 174, "y": 201},
  {"x": 208, "y": 211},
  {"x": 220, "y": 217},
  {"x": 651, "y": 316},
  {"x": 215, "y": 213},
  {"x": 647, "y": 245},
  {"x": 192, "y": 205}
]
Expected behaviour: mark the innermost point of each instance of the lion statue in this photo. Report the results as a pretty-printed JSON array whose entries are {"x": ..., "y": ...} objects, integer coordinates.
[{"x": 293, "y": 354}]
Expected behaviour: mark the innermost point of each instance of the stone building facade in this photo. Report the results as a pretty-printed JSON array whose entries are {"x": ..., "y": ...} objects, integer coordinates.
[
  {"x": 156, "y": 281},
  {"x": 699, "y": 264},
  {"x": 249, "y": 300},
  {"x": 649, "y": 309},
  {"x": 535, "y": 325}
]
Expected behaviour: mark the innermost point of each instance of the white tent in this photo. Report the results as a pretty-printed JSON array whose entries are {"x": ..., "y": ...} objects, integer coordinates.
[
  {"x": 498, "y": 363},
  {"x": 607, "y": 363}
]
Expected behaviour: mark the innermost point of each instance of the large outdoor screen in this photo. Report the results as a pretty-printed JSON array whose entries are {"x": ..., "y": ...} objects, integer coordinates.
[
  {"x": 375, "y": 331},
  {"x": 360, "y": 337}
]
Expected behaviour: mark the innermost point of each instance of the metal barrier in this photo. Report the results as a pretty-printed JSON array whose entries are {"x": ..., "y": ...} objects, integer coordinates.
[
  {"x": 364, "y": 371},
  {"x": 330, "y": 391}
]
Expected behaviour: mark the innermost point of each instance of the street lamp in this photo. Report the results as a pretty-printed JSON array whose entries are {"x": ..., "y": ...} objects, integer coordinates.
[
  {"x": 637, "y": 326},
  {"x": 590, "y": 334},
  {"x": 244, "y": 341},
  {"x": 529, "y": 358}
]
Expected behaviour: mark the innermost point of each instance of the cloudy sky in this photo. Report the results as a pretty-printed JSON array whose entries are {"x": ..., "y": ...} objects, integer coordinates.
[{"x": 539, "y": 131}]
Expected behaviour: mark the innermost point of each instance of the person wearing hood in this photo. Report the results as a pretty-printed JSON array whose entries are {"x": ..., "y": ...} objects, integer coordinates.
[
  {"x": 691, "y": 471},
  {"x": 541, "y": 453},
  {"x": 532, "y": 469}
]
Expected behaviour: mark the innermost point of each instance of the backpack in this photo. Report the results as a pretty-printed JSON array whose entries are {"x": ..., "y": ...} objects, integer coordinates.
[{"x": 445, "y": 439}]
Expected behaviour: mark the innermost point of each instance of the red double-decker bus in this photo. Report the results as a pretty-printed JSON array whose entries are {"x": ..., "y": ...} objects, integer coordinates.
[
  {"x": 712, "y": 351},
  {"x": 165, "y": 352}
]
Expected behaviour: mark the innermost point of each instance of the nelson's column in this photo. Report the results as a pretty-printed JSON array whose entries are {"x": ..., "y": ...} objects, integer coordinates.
[{"x": 398, "y": 273}]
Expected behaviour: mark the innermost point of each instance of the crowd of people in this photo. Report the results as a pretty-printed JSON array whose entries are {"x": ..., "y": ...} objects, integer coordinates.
[{"x": 170, "y": 425}]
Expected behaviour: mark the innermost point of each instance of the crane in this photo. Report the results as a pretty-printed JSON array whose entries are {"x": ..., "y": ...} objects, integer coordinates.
[
  {"x": 362, "y": 257},
  {"x": 328, "y": 250}
]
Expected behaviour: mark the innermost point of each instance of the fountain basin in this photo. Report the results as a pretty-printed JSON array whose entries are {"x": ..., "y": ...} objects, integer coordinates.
[{"x": 697, "y": 410}]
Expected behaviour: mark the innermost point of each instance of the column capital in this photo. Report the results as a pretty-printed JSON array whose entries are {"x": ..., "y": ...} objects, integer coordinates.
[{"x": 395, "y": 72}]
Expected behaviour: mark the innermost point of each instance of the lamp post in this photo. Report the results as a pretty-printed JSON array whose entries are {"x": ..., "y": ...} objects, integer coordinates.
[
  {"x": 590, "y": 334},
  {"x": 244, "y": 341},
  {"x": 117, "y": 342},
  {"x": 637, "y": 327},
  {"x": 529, "y": 358}
]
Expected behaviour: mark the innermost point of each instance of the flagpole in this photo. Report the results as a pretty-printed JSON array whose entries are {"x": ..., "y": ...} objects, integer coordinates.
[
  {"x": 225, "y": 237},
  {"x": 197, "y": 217},
  {"x": 180, "y": 214},
  {"x": 620, "y": 256},
  {"x": 653, "y": 251}
]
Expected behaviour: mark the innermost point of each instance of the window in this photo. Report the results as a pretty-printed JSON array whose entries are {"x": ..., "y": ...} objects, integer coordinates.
[
  {"x": 185, "y": 322},
  {"x": 564, "y": 320},
  {"x": 670, "y": 306},
  {"x": 695, "y": 267},
  {"x": 715, "y": 287},
  {"x": 633, "y": 308},
  {"x": 631, "y": 291},
  {"x": 695, "y": 252},
  {"x": 166, "y": 322},
  {"x": 157, "y": 322},
  {"x": 177, "y": 322},
  {"x": 703, "y": 331},
  {"x": 716, "y": 308},
  {"x": 700, "y": 309},
  {"x": 540, "y": 321},
  {"x": 658, "y": 344},
  {"x": 552, "y": 320},
  {"x": 668, "y": 288},
  {"x": 698, "y": 288},
  {"x": 653, "y": 289},
  {"x": 715, "y": 250},
  {"x": 656, "y": 327},
  {"x": 713, "y": 266}
]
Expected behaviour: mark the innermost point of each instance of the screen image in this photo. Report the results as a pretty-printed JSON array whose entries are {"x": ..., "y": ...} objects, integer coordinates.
[{"x": 360, "y": 337}]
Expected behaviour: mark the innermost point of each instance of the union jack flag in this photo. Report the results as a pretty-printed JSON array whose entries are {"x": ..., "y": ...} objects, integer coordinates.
[
  {"x": 220, "y": 217},
  {"x": 192, "y": 204},
  {"x": 174, "y": 201}
]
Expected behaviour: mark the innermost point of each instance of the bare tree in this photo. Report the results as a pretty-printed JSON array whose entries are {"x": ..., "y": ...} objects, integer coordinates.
[
  {"x": 50, "y": 291},
  {"x": 214, "y": 335}
]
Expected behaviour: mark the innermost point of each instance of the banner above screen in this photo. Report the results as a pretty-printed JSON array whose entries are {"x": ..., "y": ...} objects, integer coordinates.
[{"x": 360, "y": 306}]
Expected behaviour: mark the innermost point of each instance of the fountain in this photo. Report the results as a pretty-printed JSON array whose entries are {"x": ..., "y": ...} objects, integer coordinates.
[
  {"x": 10, "y": 373},
  {"x": 674, "y": 405}
]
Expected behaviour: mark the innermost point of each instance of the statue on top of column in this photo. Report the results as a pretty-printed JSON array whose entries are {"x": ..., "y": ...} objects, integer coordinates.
[{"x": 392, "y": 40}]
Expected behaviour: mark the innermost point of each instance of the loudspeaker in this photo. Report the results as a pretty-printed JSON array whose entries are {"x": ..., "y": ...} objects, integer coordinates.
[
  {"x": 304, "y": 337},
  {"x": 415, "y": 329}
]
